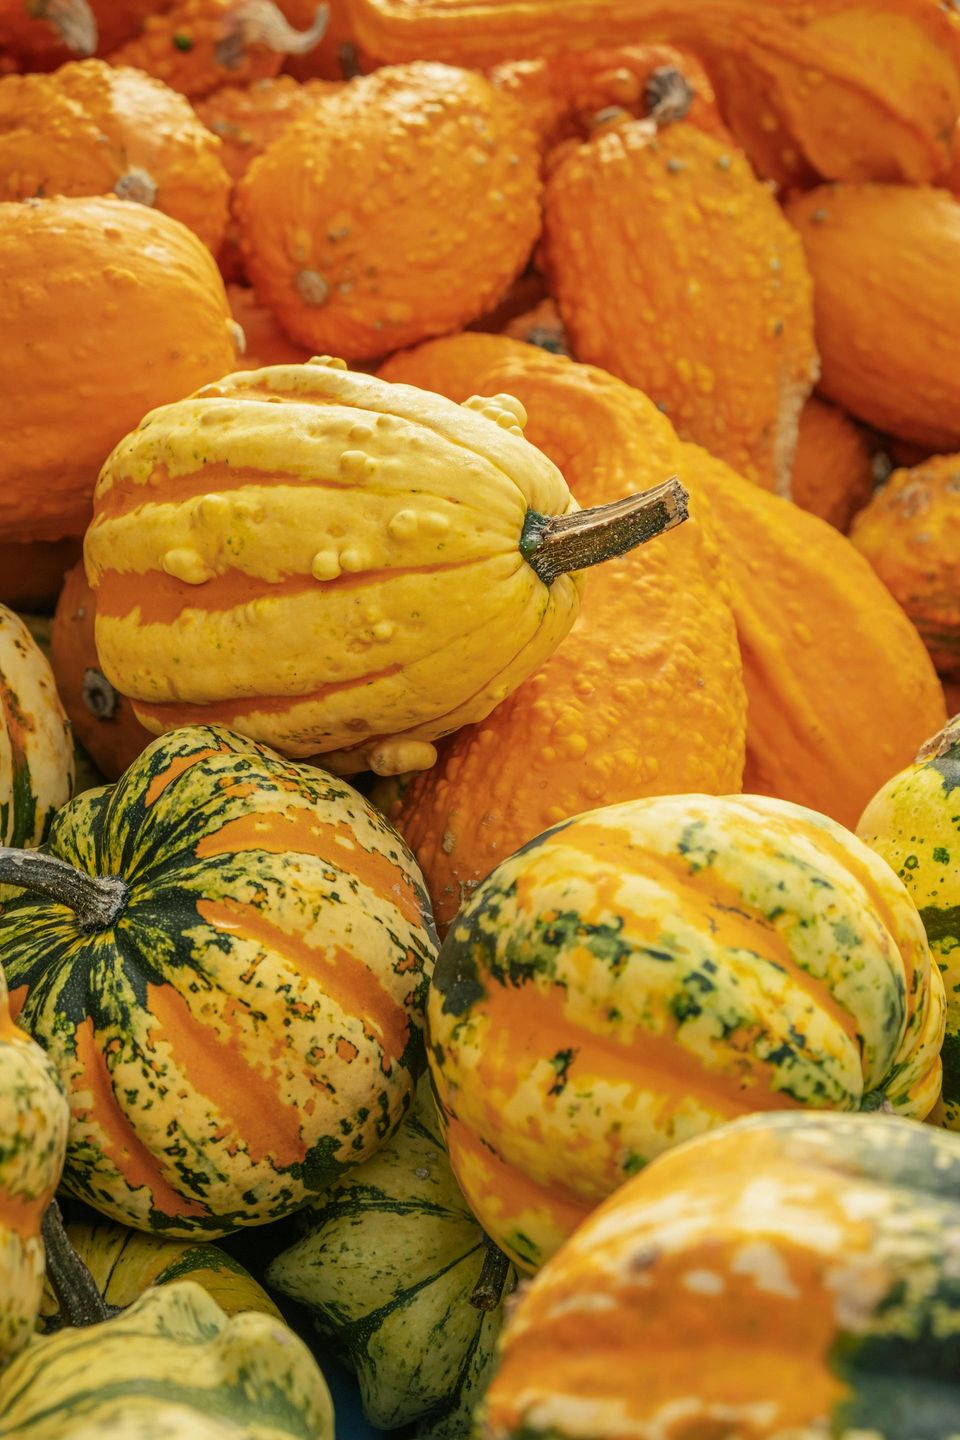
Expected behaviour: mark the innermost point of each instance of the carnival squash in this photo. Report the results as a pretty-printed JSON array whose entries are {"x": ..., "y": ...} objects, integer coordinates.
[
  {"x": 910, "y": 533},
  {"x": 226, "y": 956},
  {"x": 648, "y": 971},
  {"x": 109, "y": 309},
  {"x": 833, "y": 472},
  {"x": 333, "y": 564},
  {"x": 386, "y": 1267},
  {"x": 172, "y": 1365},
  {"x": 31, "y": 574},
  {"x": 789, "y": 1275},
  {"x": 36, "y": 751},
  {"x": 39, "y": 34},
  {"x": 913, "y": 823},
  {"x": 887, "y": 317}
]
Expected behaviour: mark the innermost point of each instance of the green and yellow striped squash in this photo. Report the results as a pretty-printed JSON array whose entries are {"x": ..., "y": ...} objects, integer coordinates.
[
  {"x": 787, "y": 1277},
  {"x": 36, "y": 748},
  {"x": 236, "y": 1010},
  {"x": 386, "y": 1267},
  {"x": 126, "y": 1263},
  {"x": 914, "y": 823},
  {"x": 648, "y": 971},
  {"x": 173, "y": 1366}
]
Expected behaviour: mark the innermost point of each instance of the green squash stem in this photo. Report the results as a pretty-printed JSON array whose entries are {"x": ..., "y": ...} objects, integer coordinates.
[
  {"x": 75, "y": 1288},
  {"x": 553, "y": 545},
  {"x": 96, "y": 900},
  {"x": 488, "y": 1291}
]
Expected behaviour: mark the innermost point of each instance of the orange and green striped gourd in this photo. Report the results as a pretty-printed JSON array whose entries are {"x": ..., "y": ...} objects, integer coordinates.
[
  {"x": 36, "y": 749},
  {"x": 648, "y": 971},
  {"x": 225, "y": 955}
]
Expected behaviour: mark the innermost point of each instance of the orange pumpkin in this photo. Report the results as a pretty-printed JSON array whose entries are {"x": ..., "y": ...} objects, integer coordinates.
[
  {"x": 40, "y": 34},
  {"x": 92, "y": 129},
  {"x": 398, "y": 208},
  {"x": 336, "y": 57},
  {"x": 31, "y": 575},
  {"x": 264, "y": 341},
  {"x": 910, "y": 533},
  {"x": 197, "y": 45},
  {"x": 673, "y": 267},
  {"x": 540, "y": 326},
  {"x": 109, "y": 309},
  {"x": 833, "y": 474},
  {"x": 883, "y": 258}
]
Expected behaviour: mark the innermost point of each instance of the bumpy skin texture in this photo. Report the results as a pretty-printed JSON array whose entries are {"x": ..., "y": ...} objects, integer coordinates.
[
  {"x": 887, "y": 324},
  {"x": 673, "y": 267},
  {"x": 172, "y": 1367},
  {"x": 846, "y": 91},
  {"x": 399, "y": 208},
  {"x": 36, "y": 749},
  {"x": 644, "y": 697},
  {"x": 832, "y": 472},
  {"x": 109, "y": 309},
  {"x": 386, "y": 1266},
  {"x": 910, "y": 533},
  {"x": 91, "y": 129},
  {"x": 31, "y": 575},
  {"x": 913, "y": 822},
  {"x": 352, "y": 586},
  {"x": 789, "y": 1275},
  {"x": 250, "y": 1024},
  {"x": 648, "y": 971},
  {"x": 124, "y": 1264},
  {"x": 247, "y": 118}
]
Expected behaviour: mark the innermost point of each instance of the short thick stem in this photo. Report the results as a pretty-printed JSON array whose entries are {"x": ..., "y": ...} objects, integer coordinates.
[
  {"x": 261, "y": 22},
  {"x": 73, "y": 21},
  {"x": 488, "y": 1291},
  {"x": 71, "y": 1282},
  {"x": 668, "y": 95},
  {"x": 96, "y": 900},
  {"x": 556, "y": 545}
]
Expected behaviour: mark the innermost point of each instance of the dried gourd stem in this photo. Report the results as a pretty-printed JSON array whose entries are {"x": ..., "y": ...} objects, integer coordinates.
[
  {"x": 73, "y": 21},
  {"x": 941, "y": 743},
  {"x": 98, "y": 694},
  {"x": 668, "y": 95},
  {"x": 261, "y": 22},
  {"x": 488, "y": 1291},
  {"x": 556, "y": 545},
  {"x": 96, "y": 900},
  {"x": 76, "y": 1290}
]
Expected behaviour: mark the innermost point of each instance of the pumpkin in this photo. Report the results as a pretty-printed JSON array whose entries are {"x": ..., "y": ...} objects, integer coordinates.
[
  {"x": 109, "y": 309},
  {"x": 90, "y": 129},
  {"x": 910, "y": 533},
  {"x": 225, "y": 955},
  {"x": 31, "y": 575},
  {"x": 194, "y": 46},
  {"x": 845, "y": 91},
  {"x": 788, "y": 1275},
  {"x": 336, "y": 56},
  {"x": 354, "y": 571},
  {"x": 833, "y": 472},
  {"x": 645, "y": 696},
  {"x": 711, "y": 315},
  {"x": 38, "y": 34},
  {"x": 36, "y": 751},
  {"x": 423, "y": 161},
  {"x": 650, "y": 970},
  {"x": 264, "y": 341},
  {"x": 913, "y": 823},
  {"x": 101, "y": 719},
  {"x": 886, "y": 323},
  {"x": 172, "y": 1365},
  {"x": 386, "y": 1267},
  {"x": 540, "y": 326}
]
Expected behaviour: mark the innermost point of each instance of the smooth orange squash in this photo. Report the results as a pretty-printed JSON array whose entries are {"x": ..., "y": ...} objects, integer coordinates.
[
  {"x": 833, "y": 474},
  {"x": 264, "y": 341},
  {"x": 31, "y": 575}
]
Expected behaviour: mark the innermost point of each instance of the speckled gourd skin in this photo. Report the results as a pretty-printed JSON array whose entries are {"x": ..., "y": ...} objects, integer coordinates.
[
  {"x": 36, "y": 747},
  {"x": 386, "y": 1268},
  {"x": 648, "y": 971},
  {"x": 832, "y": 474},
  {"x": 249, "y": 1025},
  {"x": 171, "y": 1367},
  {"x": 94, "y": 129},
  {"x": 914, "y": 823},
  {"x": 398, "y": 208},
  {"x": 785, "y": 1278},
  {"x": 109, "y": 309},
  {"x": 351, "y": 586}
]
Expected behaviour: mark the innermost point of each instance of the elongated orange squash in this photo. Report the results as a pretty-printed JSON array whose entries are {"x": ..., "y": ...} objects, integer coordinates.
[{"x": 833, "y": 474}]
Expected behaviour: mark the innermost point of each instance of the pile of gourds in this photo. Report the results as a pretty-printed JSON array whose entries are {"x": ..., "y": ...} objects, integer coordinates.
[{"x": 479, "y": 616}]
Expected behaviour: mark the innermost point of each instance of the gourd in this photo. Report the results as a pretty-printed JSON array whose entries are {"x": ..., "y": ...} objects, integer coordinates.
[
  {"x": 336, "y": 57},
  {"x": 426, "y": 160},
  {"x": 648, "y": 971},
  {"x": 833, "y": 473},
  {"x": 352, "y": 571},
  {"x": 31, "y": 575},
  {"x": 540, "y": 326},
  {"x": 910, "y": 533},
  {"x": 844, "y": 91},
  {"x": 36, "y": 751},
  {"x": 711, "y": 315},
  {"x": 645, "y": 695},
  {"x": 195, "y": 46},
  {"x": 109, "y": 309},
  {"x": 38, "y": 34},
  {"x": 886, "y": 323},
  {"x": 264, "y": 341},
  {"x": 913, "y": 823},
  {"x": 386, "y": 1267},
  {"x": 225, "y": 956},
  {"x": 92, "y": 129},
  {"x": 172, "y": 1365},
  {"x": 789, "y": 1274}
]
